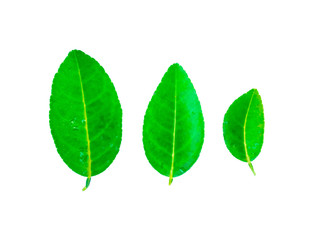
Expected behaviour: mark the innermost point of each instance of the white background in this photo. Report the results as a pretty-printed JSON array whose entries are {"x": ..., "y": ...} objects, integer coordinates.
[{"x": 227, "y": 48}]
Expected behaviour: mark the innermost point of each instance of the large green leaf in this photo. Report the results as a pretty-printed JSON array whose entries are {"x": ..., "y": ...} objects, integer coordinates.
[
  {"x": 85, "y": 115},
  {"x": 243, "y": 127},
  {"x": 173, "y": 129}
]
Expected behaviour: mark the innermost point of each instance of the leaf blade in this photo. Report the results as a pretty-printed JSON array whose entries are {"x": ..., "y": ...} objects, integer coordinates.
[
  {"x": 85, "y": 115},
  {"x": 174, "y": 147}
]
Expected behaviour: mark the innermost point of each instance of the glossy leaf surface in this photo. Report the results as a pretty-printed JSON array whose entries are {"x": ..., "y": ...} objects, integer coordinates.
[
  {"x": 173, "y": 129},
  {"x": 243, "y": 127},
  {"x": 85, "y": 115}
]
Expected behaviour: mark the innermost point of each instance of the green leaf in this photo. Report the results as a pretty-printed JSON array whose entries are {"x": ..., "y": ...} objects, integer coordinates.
[
  {"x": 243, "y": 127},
  {"x": 85, "y": 115},
  {"x": 173, "y": 129}
]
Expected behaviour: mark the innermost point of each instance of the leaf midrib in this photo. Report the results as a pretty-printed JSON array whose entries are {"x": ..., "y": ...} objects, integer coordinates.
[
  {"x": 174, "y": 127},
  {"x": 244, "y": 135},
  {"x": 85, "y": 117}
]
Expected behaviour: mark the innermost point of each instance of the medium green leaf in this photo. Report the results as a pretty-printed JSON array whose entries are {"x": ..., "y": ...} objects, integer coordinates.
[
  {"x": 173, "y": 129},
  {"x": 243, "y": 127},
  {"x": 85, "y": 115}
]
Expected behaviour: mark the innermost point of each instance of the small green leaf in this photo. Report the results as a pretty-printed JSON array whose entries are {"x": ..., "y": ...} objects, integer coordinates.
[
  {"x": 173, "y": 129},
  {"x": 243, "y": 127},
  {"x": 85, "y": 115}
]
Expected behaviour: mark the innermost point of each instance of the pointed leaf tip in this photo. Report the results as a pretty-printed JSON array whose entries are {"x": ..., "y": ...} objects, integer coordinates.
[
  {"x": 75, "y": 51},
  {"x": 175, "y": 66}
]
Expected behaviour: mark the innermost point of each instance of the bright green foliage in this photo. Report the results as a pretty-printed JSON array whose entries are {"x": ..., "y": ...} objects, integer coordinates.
[
  {"x": 85, "y": 115},
  {"x": 173, "y": 129},
  {"x": 243, "y": 127}
]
